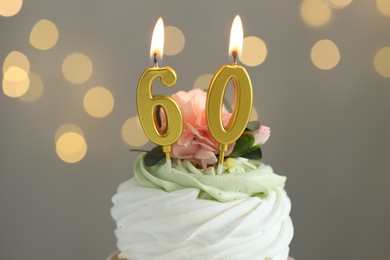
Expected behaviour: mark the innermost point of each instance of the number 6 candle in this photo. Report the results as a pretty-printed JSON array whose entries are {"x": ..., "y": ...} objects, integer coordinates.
[
  {"x": 148, "y": 105},
  {"x": 242, "y": 101}
]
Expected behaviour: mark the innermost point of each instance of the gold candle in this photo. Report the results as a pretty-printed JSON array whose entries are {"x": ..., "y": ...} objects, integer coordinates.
[
  {"x": 147, "y": 103},
  {"x": 242, "y": 101}
]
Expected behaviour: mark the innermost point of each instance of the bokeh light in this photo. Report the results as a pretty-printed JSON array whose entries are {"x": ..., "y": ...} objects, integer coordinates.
[
  {"x": 174, "y": 40},
  {"x": 203, "y": 81},
  {"x": 16, "y": 68},
  {"x": 10, "y": 7},
  {"x": 325, "y": 55},
  {"x": 132, "y": 132},
  {"x": 254, "y": 116},
  {"x": 16, "y": 59},
  {"x": 98, "y": 102},
  {"x": 65, "y": 128},
  {"x": 14, "y": 73},
  {"x": 71, "y": 147},
  {"x": 44, "y": 35},
  {"x": 254, "y": 51},
  {"x": 18, "y": 86},
  {"x": 339, "y": 4},
  {"x": 383, "y": 6},
  {"x": 77, "y": 68},
  {"x": 382, "y": 62},
  {"x": 35, "y": 88},
  {"x": 315, "y": 12}
]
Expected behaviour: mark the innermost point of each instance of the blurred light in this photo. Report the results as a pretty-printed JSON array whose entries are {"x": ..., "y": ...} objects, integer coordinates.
[
  {"x": 382, "y": 62},
  {"x": 254, "y": 51},
  {"x": 315, "y": 12},
  {"x": 325, "y": 55},
  {"x": 174, "y": 40},
  {"x": 77, "y": 68},
  {"x": 203, "y": 82},
  {"x": 339, "y": 4},
  {"x": 10, "y": 7},
  {"x": 254, "y": 116},
  {"x": 35, "y": 89},
  {"x": 15, "y": 88},
  {"x": 71, "y": 147},
  {"x": 65, "y": 128},
  {"x": 15, "y": 79},
  {"x": 44, "y": 35},
  {"x": 98, "y": 102},
  {"x": 16, "y": 59},
  {"x": 132, "y": 132},
  {"x": 15, "y": 74},
  {"x": 383, "y": 6}
]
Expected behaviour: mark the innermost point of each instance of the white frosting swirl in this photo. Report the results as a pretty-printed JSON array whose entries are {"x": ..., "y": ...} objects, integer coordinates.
[{"x": 155, "y": 224}]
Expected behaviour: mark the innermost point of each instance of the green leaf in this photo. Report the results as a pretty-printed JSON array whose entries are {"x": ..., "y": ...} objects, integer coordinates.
[
  {"x": 154, "y": 156},
  {"x": 139, "y": 150},
  {"x": 253, "y": 126},
  {"x": 243, "y": 145},
  {"x": 254, "y": 155}
]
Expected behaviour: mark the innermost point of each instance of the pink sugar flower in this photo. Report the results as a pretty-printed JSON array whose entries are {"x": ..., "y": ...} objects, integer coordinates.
[{"x": 196, "y": 142}]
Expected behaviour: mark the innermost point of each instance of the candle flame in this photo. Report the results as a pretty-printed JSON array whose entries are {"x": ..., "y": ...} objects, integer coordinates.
[
  {"x": 157, "y": 45},
  {"x": 236, "y": 36}
]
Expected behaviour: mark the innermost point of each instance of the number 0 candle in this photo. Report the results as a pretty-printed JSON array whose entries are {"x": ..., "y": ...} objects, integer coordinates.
[
  {"x": 226, "y": 135},
  {"x": 148, "y": 104}
]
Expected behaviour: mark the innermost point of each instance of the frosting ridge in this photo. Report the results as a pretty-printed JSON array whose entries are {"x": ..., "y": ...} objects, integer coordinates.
[{"x": 242, "y": 179}]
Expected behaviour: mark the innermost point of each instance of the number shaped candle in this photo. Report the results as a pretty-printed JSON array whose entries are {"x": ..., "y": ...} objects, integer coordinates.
[
  {"x": 242, "y": 101},
  {"x": 147, "y": 104}
]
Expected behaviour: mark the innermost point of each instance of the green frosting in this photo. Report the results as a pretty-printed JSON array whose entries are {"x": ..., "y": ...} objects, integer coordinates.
[{"x": 242, "y": 179}]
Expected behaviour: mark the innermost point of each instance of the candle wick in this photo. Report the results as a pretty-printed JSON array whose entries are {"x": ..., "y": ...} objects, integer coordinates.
[
  {"x": 155, "y": 60},
  {"x": 234, "y": 54}
]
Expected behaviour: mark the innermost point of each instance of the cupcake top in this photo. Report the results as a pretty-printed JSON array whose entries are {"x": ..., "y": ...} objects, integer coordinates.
[
  {"x": 195, "y": 156},
  {"x": 242, "y": 178}
]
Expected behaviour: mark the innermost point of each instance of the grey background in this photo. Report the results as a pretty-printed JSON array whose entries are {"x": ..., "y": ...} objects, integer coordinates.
[{"x": 330, "y": 129}]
